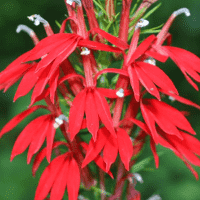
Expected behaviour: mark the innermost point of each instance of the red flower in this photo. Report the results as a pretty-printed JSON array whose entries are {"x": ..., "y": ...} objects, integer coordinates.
[
  {"x": 62, "y": 172},
  {"x": 168, "y": 118},
  {"x": 53, "y": 50},
  {"x": 111, "y": 146},
  {"x": 33, "y": 134},
  {"x": 147, "y": 74},
  {"x": 170, "y": 131},
  {"x": 92, "y": 102},
  {"x": 187, "y": 62}
]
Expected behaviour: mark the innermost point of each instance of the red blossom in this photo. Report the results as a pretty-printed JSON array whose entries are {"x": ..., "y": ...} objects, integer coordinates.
[
  {"x": 111, "y": 146},
  {"x": 62, "y": 172}
]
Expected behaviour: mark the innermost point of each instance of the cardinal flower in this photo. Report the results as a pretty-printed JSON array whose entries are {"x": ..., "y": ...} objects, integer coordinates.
[
  {"x": 111, "y": 146},
  {"x": 185, "y": 60},
  {"x": 147, "y": 74},
  {"x": 34, "y": 134},
  {"x": 53, "y": 50},
  {"x": 169, "y": 119},
  {"x": 92, "y": 102},
  {"x": 186, "y": 148},
  {"x": 62, "y": 172}
]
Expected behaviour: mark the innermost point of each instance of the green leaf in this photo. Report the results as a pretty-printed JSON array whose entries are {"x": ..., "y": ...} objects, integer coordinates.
[
  {"x": 151, "y": 11},
  {"x": 143, "y": 163},
  {"x": 58, "y": 24}
]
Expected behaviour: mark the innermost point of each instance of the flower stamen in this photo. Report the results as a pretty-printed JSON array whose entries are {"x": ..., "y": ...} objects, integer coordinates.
[
  {"x": 142, "y": 23},
  {"x": 71, "y": 1},
  {"x": 120, "y": 93},
  {"x": 85, "y": 51},
  {"x": 182, "y": 10},
  {"x": 37, "y": 19},
  {"x": 29, "y": 31},
  {"x": 59, "y": 121}
]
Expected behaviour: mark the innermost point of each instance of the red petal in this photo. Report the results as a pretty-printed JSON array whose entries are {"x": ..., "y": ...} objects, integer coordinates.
[
  {"x": 73, "y": 180},
  {"x": 150, "y": 121},
  {"x": 48, "y": 177},
  {"x": 192, "y": 143},
  {"x": 26, "y": 136},
  {"x": 95, "y": 148},
  {"x": 41, "y": 155},
  {"x": 104, "y": 111},
  {"x": 48, "y": 44},
  {"x": 142, "y": 48},
  {"x": 58, "y": 50},
  {"x": 157, "y": 56},
  {"x": 73, "y": 75},
  {"x": 188, "y": 154},
  {"x": 40, "y": 85},
  {"x": 125, "y": 147},
  {"x": 76, "y": 113},
  {"x": 98, "y": 46},
  {"x": 99, "y": 161},
  {"x": 59, "y": 59},
  {"x": 38, "y": 138},
  {"x": 175, "y": 116},
  {"x": 18, "y": 118},
  {"x": 26, "y": 84},
  {"x": 134, "y": 82},
  {"x": 147, "y": 82},
  {"x": 14, "y": 67},
  {"x": 92, "y": 118},
  {"x": 153, "y": 149},
  {"x": 180, "y": 99},
  {"x": 53, "y": 83},
  {"x": 50, "y": 138},
  {"x": 158, "y": 77},
  {"x": 110, "y": 152},
  {"x": 112, "y": 39},
  {"x": 58, "y": 188}
]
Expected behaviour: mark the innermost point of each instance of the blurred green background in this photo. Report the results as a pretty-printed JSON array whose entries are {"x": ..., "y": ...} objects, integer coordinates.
[{"x": 172, "y": 181}]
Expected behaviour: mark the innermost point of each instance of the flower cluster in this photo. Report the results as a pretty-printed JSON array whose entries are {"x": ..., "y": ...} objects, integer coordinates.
[{"x": 72, "y": 69}]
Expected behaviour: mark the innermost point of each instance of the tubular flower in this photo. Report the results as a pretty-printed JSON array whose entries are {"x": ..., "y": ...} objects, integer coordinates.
[
  {"x": 63, "y": 70},
  {"x": 62, "y": 172},
  {"x": 33, "y": 134},
  {"x": 111, "y": 146}
]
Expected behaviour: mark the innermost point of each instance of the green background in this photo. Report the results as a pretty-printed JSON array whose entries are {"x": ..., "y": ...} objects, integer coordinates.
[{"x": 173, "y": 181}]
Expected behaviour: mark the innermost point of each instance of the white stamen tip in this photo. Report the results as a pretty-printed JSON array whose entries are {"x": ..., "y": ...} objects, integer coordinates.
[
  {"x": 182, "y": 10},
  {"x": 155, "y": 197},
  {"x": 142, "y": 23},
  {"x": 150, "y": 61},
  {"x": 172, "y": 98},
  {"x": 25, "y": 28},
  {"x": 120, "y": 93},
  {"x": 85, "y": 51},
  {"x": 71, "y": 1},
  {"x": 37, "y": 19},
  {"x": 59, "y": 121},
  {"x": 138, "y": 177}
]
